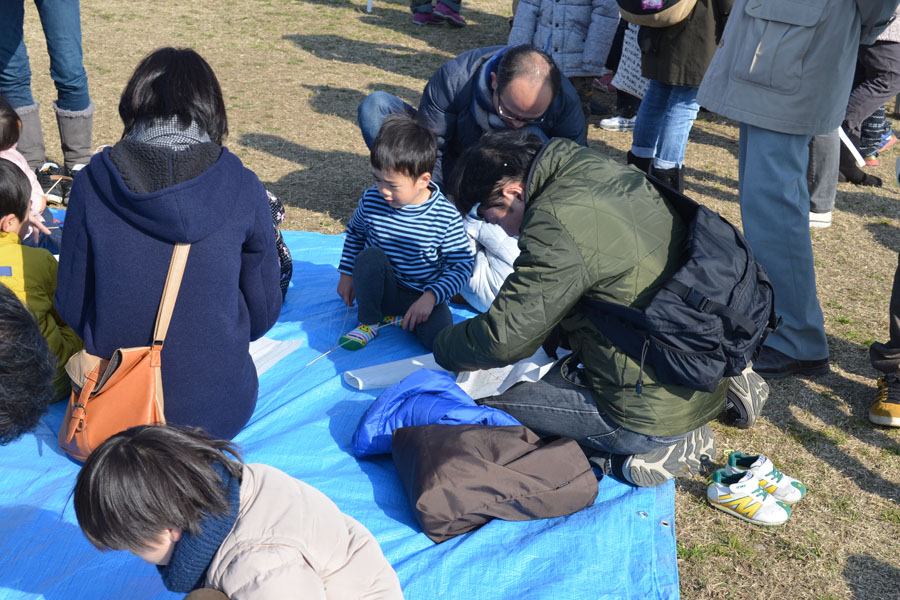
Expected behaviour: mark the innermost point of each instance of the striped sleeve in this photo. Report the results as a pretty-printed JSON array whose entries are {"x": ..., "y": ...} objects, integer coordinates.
[
  {"x": 355, "y": 240},
  {"x": 458, "y": 260}
]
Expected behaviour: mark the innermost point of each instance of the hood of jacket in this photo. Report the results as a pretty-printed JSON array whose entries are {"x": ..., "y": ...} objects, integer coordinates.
[{"x": 177, "y": 196}]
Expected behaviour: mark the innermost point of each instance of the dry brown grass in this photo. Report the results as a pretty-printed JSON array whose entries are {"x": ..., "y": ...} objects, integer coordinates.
[{"x": 293, "y": 72}]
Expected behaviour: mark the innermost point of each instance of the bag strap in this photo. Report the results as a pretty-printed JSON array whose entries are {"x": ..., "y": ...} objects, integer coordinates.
[
  {"x": 170, "y": 292},
  {"x": 739, "y": 323}
]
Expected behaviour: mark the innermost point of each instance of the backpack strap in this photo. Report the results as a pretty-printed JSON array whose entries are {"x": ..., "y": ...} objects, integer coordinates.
[{"x": 739, "y": 323}]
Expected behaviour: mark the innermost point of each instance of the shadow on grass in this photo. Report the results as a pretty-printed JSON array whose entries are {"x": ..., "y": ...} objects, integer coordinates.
[
  {"x": 386, "y": 57},
  {"x": 829, "y": 407},
  {"x": 867, "y": 577},
  {"x": 886, "y": 234},
  {"x": 298, "y": 188},
  {"x": 343, "y": 102}
]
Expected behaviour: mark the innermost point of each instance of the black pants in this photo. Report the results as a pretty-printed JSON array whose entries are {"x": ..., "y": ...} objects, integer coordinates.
[
  {"x": 886, "y": 357},
  {"x": 378, "y": 295},
  {"x": 876, "y": 81}
]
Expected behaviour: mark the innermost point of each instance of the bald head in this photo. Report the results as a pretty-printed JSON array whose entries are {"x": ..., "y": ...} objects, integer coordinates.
[{"x": 524, "y": 85}]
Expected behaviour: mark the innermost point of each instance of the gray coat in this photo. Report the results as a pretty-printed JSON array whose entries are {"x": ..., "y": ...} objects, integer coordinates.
[
  {"x": 576, "y": 33},
  {"x": 788, "y": 66}
]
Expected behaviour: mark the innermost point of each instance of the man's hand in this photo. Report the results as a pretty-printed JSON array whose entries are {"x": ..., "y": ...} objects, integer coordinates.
[
  {"x": 419, "y": 311},
  {"x": 345, "y": 289}
]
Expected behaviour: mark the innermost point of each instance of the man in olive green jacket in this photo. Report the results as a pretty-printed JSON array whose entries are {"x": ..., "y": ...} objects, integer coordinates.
[{"x": 587, "y": 227}]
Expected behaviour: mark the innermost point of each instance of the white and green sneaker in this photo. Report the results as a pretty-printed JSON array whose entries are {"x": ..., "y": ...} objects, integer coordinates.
[
  {"x": 359, "y": 337},
  {"x": 782, "y": 487},
  {"x": 740, "y": 495}
]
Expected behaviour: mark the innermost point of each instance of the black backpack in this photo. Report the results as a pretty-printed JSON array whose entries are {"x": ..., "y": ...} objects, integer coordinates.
[{"x": 709, "y": 319}]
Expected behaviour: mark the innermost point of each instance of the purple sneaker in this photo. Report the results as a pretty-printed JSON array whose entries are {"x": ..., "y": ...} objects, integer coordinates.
[
  {"x": 449, "y": 15},
  {"x": 423, "y": 18}
]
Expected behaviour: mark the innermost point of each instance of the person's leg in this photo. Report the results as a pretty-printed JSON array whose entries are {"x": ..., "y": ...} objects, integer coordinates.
[
  {"x": 885, "y": 357},
  {"x": 374, "y": 285},
  {"x": 680, "y": 112},
  {"x": 15, "y": 82},
  {"x": 374, "y": 108},
  {"x": 61, "y": 21},
  {"x": 822, "y": 177},
  {"x": 775, "y": 213},
  {"x": 420, "y": 6},
  {"x": 878, "y": 75},
  {"x": 649, "y": 121},
  {"x": 870, "y": 136}
]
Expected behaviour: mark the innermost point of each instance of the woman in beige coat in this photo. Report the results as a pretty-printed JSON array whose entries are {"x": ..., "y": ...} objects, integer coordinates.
[{"x": 175, "y": 499}]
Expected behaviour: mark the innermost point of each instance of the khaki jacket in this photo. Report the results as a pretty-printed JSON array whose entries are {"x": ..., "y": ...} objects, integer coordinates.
[
  {"x": 291, "y": 541},
  {"x": 788, "y": 66}
]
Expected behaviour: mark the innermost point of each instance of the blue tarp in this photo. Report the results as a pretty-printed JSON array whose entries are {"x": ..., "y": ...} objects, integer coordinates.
[{"x": 621, "y": 547}]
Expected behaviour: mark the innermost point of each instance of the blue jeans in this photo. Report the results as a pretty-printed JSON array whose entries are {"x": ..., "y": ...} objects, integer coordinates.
[
  {"x": 61, "y": 21},
  {"x": 373, "y": 110},
  {"x": 664, "y": 123},
  {"x": 775, "y": 213}
]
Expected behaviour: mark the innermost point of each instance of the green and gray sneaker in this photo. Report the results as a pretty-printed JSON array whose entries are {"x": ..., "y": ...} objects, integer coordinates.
[{"x": 691, "y": 455}]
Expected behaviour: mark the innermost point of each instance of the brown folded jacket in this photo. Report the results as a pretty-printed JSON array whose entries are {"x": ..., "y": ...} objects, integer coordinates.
[{"x": 459, "y": 477}]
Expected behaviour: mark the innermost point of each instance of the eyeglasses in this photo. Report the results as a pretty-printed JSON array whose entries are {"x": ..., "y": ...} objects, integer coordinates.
[{"x": 511, "y": 116}]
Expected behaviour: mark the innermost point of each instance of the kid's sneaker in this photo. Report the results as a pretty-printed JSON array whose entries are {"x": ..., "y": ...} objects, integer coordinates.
[
  {"x": 426, "y": 18},
  {"x": 740, "y": 495},
  {"x": 783, "y": 488},
  {"x": 617, "y": 123},
  {"x": 359, "y": 337}
]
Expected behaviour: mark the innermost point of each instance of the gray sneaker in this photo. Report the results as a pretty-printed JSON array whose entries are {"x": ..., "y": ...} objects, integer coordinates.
[
  {"x": 617, "y": 123},
  {"x": 747, "y": 393},
  {"x": 687, "y": 457}
]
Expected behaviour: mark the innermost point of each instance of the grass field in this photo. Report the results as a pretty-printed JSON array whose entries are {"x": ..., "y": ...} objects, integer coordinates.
[{"x": 293, "y": 73}]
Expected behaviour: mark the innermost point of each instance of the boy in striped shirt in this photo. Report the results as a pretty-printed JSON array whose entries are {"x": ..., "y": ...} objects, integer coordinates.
[{"x": 406, "y": 251}]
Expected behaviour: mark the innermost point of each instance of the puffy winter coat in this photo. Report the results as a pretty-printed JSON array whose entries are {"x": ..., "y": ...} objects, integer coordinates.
[
  {"x": 591, "y": 228},
  {"x": 576, "y": 33},
  {"x": 426, "y": 397},
  {"x": 126, "y": 211},
  {"x": 788, "y": 66},
  {"x": 450, "y": 109},
  {"x": 495, "y": 252},
  {"x": 291, "y": 541}
]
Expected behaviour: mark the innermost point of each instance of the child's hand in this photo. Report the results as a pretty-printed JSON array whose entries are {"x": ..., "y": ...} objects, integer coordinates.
[
  {"x": 419, "y": 311},
  {"x": 37, "y": 226},
  {"x": 345, "y": 289}
]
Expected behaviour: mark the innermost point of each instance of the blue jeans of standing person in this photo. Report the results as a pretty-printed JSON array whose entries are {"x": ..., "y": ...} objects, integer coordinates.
[
  {"x": 664, "y": 123},
  {"x": 61, "y": 21},
  {"x": 775, "y": 213}
]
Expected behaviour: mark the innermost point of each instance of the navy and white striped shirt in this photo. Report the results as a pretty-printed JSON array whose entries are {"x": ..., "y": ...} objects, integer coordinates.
[{"x": 425, "y": 243}]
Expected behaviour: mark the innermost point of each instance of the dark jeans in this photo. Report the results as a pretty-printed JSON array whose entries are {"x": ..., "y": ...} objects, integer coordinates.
[
  {"x": 379, "y": 295},
  {"x": 559, "y": 405},
  {"x": 886, "y": 357},
  {"x": 50, "y": 242},
  {"x": 822, "y": 172},
  {"x": 876, "y": 81}
]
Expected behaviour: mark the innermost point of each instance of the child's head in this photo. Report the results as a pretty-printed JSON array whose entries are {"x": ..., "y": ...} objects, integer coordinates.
[
  {"x": 9, "y": 125},
  {"x": 27, "y": 369},
  {"x": 140, "y": 489},
  {"x": 175, "y": 82},
  {"x": 402, "y": 157},
  {"x": 15, "y": 193}
]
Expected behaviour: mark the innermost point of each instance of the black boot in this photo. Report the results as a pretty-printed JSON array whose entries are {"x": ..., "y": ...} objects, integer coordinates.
[
  {"x": 641, "y": 163},
  {"x": 674, "y": 177},
  {"x": 850, "y": 171}
]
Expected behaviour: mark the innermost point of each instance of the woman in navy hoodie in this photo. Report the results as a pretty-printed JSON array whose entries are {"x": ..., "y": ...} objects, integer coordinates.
[{"x": 170, "y": 180}]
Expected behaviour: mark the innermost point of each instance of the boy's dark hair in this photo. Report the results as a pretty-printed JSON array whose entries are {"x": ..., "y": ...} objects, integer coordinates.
[
  {"x": 15, "y": 190},
  {"x": 520, "y": 61},
  {"x": 404, "y": 145},
  {"x": 175, "y": 82},
  {"x": 147, "y": 479},
  {"x": 495, "y": 160},
  {"x": 27, "y": 369},
  {"x": 9, "y": 125}
]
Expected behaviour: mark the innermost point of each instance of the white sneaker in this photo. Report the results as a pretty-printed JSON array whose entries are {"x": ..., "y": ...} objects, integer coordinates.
[
  {"x": 617, "y": 123},
  {"x": 740, "y": 495},
  {"x": 820, "y": 220},
  {"x": 781, "y": 486}
]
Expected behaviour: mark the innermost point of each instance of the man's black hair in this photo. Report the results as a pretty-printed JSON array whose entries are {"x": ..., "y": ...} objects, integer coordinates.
[
  {"x": 9, "y": 125},
  {"x": 526, "y": 60},
  {"x": 15, "y": 190},
  {"x": 175, "y": 82},
  {"x": 149, "y": 478},
  {"x": 497, "y": 158},
  {"x": 403, "y": 145},
  {"x": 27, "y": 368}
]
